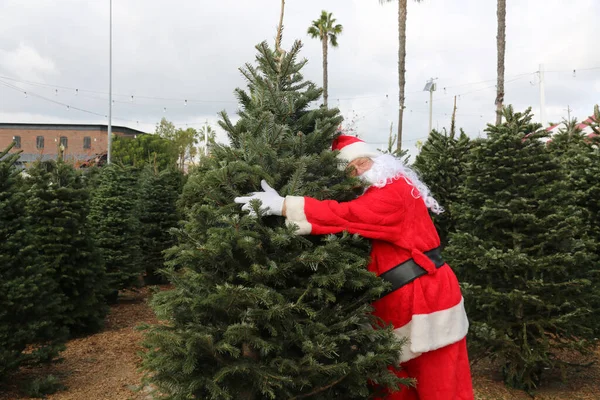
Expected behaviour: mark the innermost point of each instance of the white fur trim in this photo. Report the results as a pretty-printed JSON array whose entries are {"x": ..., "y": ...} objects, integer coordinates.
[
  {"x": 294, "y": 213},
  {"x": 356, "y": 150},
  {"x": 427, "y": 332}
]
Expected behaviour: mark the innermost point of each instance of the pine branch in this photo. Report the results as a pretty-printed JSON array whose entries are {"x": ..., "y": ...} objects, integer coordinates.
[{"x": 319, "y": 390}]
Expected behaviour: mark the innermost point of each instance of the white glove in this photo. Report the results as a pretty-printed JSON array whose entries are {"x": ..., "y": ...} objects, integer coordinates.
[{"x": 272, "y": 202}]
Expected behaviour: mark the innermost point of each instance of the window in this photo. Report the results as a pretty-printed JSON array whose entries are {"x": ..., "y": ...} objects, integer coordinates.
[
  {"x": 17, "y": 140},
  {"x": 39, "y": 142},
  {"x": 64, "y": 142},
  {"x": 87, "y": 142}
]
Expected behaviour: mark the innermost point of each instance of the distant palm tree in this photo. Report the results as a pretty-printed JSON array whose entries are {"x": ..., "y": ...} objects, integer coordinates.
[
  {"x": 501, "y": 45},
  {"x": 327, "y": 31},
  {"x": 402, "y": 14}
]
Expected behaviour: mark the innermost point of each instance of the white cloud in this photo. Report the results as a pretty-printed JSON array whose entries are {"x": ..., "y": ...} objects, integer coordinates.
[{"x": 25, "y": 62}]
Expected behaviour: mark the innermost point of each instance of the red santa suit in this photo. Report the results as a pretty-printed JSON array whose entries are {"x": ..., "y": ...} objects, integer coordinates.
[{"x": 428, "y": 311}]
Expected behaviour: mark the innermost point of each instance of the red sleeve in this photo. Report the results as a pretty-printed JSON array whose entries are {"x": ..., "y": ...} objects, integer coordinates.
[{"x": 377, "y": 214}]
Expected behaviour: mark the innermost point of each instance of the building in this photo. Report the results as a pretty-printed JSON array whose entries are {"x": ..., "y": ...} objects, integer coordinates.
[
  {"x": 82, "y": 143},
  {"x": 585, "y": 127}
]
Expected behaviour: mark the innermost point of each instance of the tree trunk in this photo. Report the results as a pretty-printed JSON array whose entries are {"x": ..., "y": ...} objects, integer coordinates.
[
  {"x": 501, "y": 44},
  {"x": 325, "y": 91},
  {"x": 402, "y": 13}
]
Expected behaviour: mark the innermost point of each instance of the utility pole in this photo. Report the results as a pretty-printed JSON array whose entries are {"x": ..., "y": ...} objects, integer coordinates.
[
  {"x": 430, "y": 110},
  {"x": 542, "y": 97},
  {"x": 430, "y": 87},
  {"x": 109, "y": 84},
  {"x": 206, "y": 138}
]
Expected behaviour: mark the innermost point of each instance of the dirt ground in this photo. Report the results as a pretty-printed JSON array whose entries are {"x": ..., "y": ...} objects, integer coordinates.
[{"x": 104, "y": 366}]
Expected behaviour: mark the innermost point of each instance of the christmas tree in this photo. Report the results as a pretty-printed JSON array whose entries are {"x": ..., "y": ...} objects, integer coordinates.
[
  {"x": 258, "y": 312},
  {"x": 57, "y": 208},
  {"x": 29, "y": 306},
  {"x": 441, "y": 163},
  {"x": 114, "y": 223},
  {"x": 159, "y": 192},
  {"x": 522, "y": 253},
  {"x": 580, "y": 162}
]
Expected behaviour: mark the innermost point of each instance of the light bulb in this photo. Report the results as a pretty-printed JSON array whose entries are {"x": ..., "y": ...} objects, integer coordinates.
[
  {"x": 76, "y": 92},
  {"x": 185, "y": 103},
  {"x": 25, "y": 94}
]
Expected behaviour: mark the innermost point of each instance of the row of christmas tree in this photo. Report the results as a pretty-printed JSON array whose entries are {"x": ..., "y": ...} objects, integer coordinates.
[
  {"x": 68, "y": 242},
  {"x": 522, "y": 231},
  {"x": 260, "y": 312}
]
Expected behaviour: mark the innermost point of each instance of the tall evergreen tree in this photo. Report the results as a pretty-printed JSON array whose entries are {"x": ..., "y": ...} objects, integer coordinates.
[
  {"x": 580, "y": 163},
  {"x": 591, "y": 171},
  {"x": 29, "y": 305},
  {"x": 159, "y": 192},
  {"x": 441, "y": 164},
  {"x": 57, "y": 207},
  {"x": 522, "y": 252},
  {"x": 114, "y": 222},
  {"x": 257, "y": 311}
]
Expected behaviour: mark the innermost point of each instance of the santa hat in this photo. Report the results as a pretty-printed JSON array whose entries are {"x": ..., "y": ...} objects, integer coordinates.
[{"x": 351, "y": 148}]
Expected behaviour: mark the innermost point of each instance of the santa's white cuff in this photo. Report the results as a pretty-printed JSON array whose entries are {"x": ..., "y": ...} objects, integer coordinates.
[{"x": 294, "y": 213}]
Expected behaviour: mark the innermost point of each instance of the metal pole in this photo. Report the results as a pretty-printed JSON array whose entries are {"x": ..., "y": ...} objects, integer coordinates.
[
  {"x": 109, "y": 85},
  {"x": 430, "y": 109},
  {"x": 542, "y": 97}
]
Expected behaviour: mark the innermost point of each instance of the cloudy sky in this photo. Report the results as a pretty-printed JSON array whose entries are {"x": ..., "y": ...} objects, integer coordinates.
[{"x": 165, "y": 52}]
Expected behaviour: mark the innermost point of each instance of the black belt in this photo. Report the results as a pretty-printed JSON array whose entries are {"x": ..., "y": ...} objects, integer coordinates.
[{"x": 409, "y": 270}]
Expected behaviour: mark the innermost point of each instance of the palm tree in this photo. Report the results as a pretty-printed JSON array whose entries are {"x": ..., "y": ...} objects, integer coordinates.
[
  {"x": 501, "y": 45},
  {"x": 402, "y": 12},
  {"x": 327, "y": 31}
]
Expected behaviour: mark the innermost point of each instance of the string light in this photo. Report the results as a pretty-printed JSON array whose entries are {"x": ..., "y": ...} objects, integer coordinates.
[
  {"x": 573, "y": 72},
  {"x": 186, "y": 101}
]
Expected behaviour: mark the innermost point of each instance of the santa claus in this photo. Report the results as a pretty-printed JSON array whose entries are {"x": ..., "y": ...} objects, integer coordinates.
[{"x": 425, "y": 304}]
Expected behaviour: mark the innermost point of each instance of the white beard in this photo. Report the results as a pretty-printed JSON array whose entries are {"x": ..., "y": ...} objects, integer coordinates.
[{"x": 387, "y": 168}]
